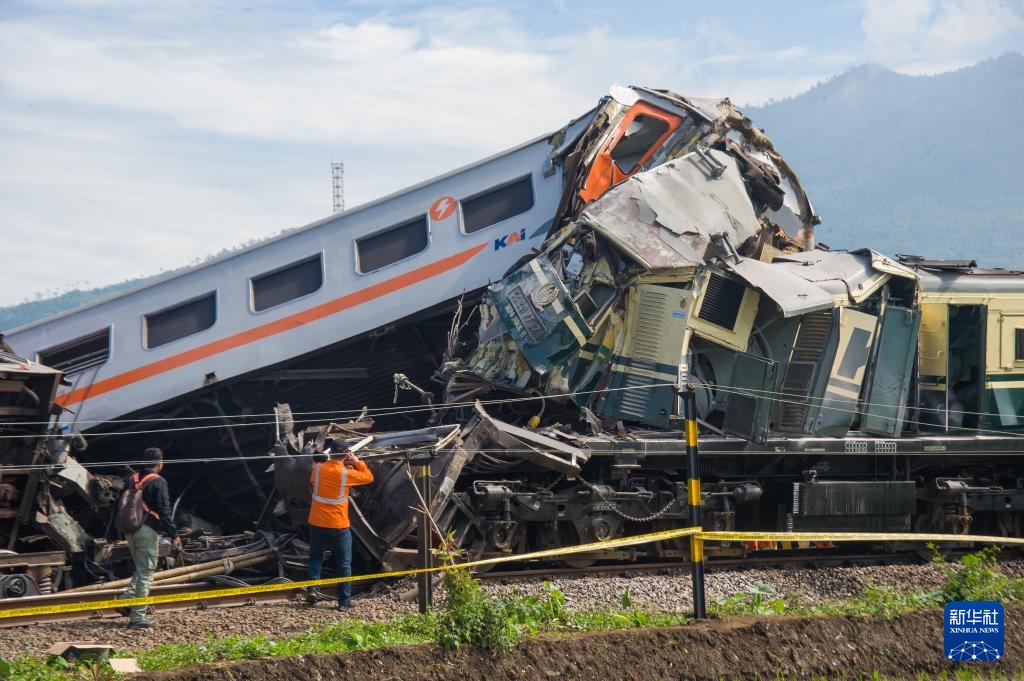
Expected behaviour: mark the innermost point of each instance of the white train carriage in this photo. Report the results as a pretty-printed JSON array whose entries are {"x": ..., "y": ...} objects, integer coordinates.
[{"x": 308, "y": 289}]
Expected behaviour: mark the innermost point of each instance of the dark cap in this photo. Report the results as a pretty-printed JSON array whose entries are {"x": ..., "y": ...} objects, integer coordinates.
[{"x": 152, "y": 456}]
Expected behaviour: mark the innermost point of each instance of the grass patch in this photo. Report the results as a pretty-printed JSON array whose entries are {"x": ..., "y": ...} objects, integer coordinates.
[
  {"x": 976, "y": 577},
  {"x": 496, "y": 623}
]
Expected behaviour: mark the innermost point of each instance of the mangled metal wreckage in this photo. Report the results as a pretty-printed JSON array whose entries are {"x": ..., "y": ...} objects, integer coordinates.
[{"x": 698, "y": 271}]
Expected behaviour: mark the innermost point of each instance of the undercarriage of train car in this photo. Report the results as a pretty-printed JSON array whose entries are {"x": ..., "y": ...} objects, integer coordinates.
[{"x": 56, "y": 514}]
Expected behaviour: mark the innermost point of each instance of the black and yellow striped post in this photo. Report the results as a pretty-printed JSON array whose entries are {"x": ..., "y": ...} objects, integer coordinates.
[
  {"x": 424, "y": 580},
  {"x": 693, "y": 497}
]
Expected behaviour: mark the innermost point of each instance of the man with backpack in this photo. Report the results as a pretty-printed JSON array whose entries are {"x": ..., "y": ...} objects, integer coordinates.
[{"x": 143, "y": 510}]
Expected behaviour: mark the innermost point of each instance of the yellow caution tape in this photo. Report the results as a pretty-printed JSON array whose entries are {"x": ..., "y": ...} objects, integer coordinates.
[
  {"x": 857, "y": 536},
  {"x": 633, "y": 540},
  {"x": 88, "y": 606}
]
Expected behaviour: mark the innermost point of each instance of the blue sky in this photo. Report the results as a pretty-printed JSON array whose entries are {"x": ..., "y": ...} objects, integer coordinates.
[{"x": 138, "y": 136}]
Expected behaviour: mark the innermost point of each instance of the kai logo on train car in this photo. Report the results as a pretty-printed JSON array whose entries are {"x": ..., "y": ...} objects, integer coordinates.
[
  {"x": 443, "y": 208},
  {"x": 509, "y": 239}
]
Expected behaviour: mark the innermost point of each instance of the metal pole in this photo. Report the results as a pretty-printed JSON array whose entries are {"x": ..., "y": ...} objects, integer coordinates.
[
  {"x": 424, "y": 581},
  {"x": 693, "y": 494}
]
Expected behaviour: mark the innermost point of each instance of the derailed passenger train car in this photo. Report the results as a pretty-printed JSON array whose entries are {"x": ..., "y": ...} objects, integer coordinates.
[{"x": 842, "y": 390}]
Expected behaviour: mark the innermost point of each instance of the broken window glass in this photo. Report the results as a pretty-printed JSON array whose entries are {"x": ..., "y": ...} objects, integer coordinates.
[
  {"x": 497, "y": 204},
  {"x": 639, "y": 137},
  {"x": 288, "y": 283},
  {"x": 181, "y": 320},
  {"x": 392, "y": 244},
  {"x": 80, "y": 354}
]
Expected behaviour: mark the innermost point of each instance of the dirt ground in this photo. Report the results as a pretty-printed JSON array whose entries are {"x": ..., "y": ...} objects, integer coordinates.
[{"x": 742, "y": 648}]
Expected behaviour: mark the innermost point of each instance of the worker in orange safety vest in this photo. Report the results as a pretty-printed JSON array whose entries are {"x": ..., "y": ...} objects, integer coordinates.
[{"x": 331, "y": 482}]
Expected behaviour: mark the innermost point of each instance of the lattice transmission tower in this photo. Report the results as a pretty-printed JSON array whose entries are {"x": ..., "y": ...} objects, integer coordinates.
[{"x": 338, "y": 185}]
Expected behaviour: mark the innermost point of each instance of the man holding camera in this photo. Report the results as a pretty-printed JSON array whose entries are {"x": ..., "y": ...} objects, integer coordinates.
[{"x": 331, "y": 482}]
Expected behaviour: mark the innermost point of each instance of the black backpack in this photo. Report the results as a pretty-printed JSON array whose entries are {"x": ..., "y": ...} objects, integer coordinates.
[{"x": 131, "y": 509}]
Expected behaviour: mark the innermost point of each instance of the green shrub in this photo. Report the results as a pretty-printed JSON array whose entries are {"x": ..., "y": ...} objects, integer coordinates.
[
  {"x": 756, "y": 600},
  {"x": 888, "y": 603},
  {"x": 494, "y": 623},
  {"x": 978, "y": 578}
]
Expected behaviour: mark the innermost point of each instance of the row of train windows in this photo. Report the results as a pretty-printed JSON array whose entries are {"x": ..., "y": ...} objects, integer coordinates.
[
  {"x": 298, "y": 279},
  {"x": 478, "y": 212}
]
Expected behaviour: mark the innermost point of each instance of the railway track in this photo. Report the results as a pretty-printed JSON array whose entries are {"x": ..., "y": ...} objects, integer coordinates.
[
  {"x": 818, "y": 560},
  {"x": 98, "y": 596},
  {"x": 711, "y": 565}
]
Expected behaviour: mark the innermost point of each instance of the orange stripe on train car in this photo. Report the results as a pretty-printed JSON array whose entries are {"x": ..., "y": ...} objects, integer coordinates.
[{"x": 254, "y": 334}]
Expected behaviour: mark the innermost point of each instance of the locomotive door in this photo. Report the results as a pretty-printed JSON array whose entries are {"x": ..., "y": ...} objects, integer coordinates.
[
  {"x": 885, "y": 401},
  {"x": 965, "y": 367}
]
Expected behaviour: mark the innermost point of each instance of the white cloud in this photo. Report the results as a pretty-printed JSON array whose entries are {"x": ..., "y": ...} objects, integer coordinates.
[
  {"x": 138, "y": 136},
  {"x": 930, "y": 36},
  {"x": 359, "y": 83}
]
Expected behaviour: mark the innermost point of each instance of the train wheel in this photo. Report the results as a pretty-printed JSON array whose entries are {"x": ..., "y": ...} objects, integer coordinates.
[
  {"x": 925, "y": 524},
  {"x": 568, "y": 536},
  {"x": 578, "y": 564}
]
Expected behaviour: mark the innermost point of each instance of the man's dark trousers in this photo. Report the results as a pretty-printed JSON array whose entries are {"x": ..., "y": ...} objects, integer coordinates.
[{"x": 339, "y": 542}]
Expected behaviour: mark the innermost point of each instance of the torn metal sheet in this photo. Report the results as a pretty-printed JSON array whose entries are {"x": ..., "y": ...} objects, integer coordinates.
[
  {"x": 844, "y": 275},
  {"x": 793, "y": 294},
  {"x": 888, "y": 265},
  {"x": 534, "y": 447},
  {"x": 664, "y": 218}
]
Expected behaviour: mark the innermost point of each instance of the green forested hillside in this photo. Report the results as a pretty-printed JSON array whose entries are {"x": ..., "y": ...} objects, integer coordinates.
[
  {"x": 929, "y": 165},
  {"x": 14, "y": 316}
]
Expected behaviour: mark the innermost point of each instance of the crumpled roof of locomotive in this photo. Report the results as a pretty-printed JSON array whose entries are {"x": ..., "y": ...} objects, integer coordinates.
[
  {"x": 664, "y": 218},
  {"x": 812, "y": 280}
]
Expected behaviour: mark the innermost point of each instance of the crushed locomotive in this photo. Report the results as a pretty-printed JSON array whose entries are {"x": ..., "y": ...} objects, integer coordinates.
[{"x": 836, "y": 390}]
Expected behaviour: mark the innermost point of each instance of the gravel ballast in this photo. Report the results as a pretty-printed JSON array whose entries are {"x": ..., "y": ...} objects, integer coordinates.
[{"x": 666, "y": 590}]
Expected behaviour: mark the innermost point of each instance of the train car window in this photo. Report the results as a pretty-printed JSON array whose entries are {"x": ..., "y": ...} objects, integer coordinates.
[
  {"x": 392, "y": 244},
  {"x": 497, "y": 204},
  {"x": 641, "y": 134},
  {"x": 80, "y": 354},
  {"x": 287, "y": 283},
  {"x": 1018, "y": 354},
  {"x": 180, "y": 321}
]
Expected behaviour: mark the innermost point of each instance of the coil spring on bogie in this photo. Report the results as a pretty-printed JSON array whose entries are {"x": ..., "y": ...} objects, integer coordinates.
[{"x": 45, "y": 584}]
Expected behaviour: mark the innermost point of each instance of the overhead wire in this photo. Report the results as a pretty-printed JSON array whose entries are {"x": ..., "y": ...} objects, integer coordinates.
[
  {"x": 398, "y": 411},
  {"x": 744, "y": 391},
  {"x": 862, "y": 403},
  {"x": 752, "y": 392},
  {"x": 393, "y": 412}
]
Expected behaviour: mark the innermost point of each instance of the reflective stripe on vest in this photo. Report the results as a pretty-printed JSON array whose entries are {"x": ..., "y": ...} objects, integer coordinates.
[{"x": 341, "y": 491}]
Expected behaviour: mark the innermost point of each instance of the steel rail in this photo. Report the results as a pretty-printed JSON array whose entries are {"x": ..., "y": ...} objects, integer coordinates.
[{"x": 62, "y": 598}]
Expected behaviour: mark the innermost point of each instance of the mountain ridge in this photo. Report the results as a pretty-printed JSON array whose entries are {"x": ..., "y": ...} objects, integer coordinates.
[{"x": 916, "y": 164}]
